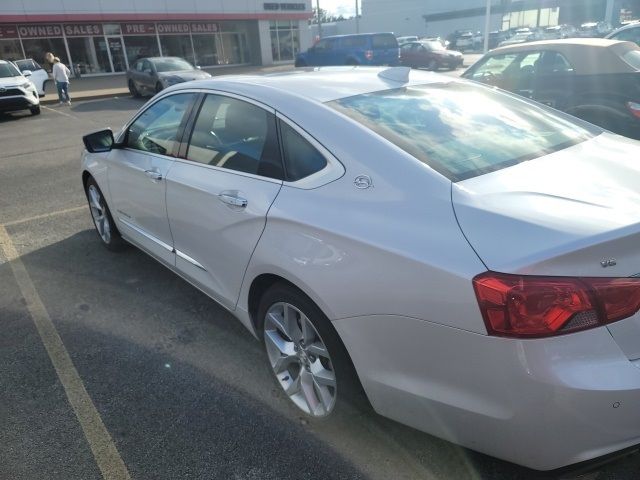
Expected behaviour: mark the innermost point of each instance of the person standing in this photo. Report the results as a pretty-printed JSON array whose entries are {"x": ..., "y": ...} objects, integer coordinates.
[{"x": 61, "y": 77}]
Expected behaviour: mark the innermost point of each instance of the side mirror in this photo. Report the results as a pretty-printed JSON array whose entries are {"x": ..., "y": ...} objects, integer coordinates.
[
  {"x": 100, "y": 141},
  {"x": 26, "y": 73}
]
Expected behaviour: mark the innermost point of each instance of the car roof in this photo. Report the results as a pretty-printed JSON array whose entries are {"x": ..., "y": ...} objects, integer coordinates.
[
  {"x": 588, "y": 56},
  {"x": 313, "y": 85},
  {"x": 358, "y": 35}
]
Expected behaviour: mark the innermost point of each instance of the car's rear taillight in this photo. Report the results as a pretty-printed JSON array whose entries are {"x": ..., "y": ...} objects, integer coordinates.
[
  {"x": 529, "y": 306},
  {"x": 368, "y": 54},
  {"x": 634, "y": 108}
]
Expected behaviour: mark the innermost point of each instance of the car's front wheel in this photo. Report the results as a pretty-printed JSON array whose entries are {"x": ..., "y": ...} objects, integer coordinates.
[
  {"x": 102, "y": 219},
  {"x": 309, "y": 361},
  {"x": 133, "y": 90},
  {"x": 35, "y": 110}
]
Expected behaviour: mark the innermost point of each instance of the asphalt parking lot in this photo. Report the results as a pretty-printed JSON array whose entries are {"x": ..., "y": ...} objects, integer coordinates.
[{"x": 111, "y": 366}]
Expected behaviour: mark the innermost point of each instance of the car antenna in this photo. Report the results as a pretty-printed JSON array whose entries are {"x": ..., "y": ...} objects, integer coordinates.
[{"x": 397, "y": 74}]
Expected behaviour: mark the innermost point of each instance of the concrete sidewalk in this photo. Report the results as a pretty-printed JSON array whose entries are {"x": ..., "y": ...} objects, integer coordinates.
[{"x": 116, "y": 85}]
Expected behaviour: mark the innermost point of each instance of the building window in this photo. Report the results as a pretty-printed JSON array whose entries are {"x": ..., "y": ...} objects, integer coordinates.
[
  {"x": 89, "y": 55},
  {"x": 10, "y": 50},
  {"x": 36, "y": 48},
  {"x": 140, "y": 47},
  {"x": 285, "y": 40},
  {"x": 177, "y": 46},
  {"x": 206, "y": 49}
]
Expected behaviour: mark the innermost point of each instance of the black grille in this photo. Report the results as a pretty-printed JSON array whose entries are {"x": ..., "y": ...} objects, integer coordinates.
[{"x": 10, "y": 92}]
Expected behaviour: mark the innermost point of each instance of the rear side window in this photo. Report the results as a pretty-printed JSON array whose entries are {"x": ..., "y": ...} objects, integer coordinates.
[
  {"x": 463, "y": 130},
  {"x": 300, "y": 157},
  {"x": 236, "y": 135},
  {"x": 354, "y": 42},
  {"x": 384, "y": 41}
]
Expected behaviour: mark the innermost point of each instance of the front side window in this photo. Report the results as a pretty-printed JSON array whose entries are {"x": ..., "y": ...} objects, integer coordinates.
[
  {"x": 300, "y": 157},
  {"x": 157, "y": 129},
  {"x": 463, "y": 130},
  {"x": 236, "y": 135}
]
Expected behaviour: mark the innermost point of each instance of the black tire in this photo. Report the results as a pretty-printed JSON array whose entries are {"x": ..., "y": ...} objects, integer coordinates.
[
  {"x": 35, "y": 110},
  {"x": 115, "y": 243},
  {"x": 133, "y": 90},
  {"x": 159, "y": 87},
  {"x": 349, "y": 392}
]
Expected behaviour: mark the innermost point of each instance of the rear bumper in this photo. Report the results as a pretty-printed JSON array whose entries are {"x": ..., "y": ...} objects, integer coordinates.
[{"x": 544, "y": 403}]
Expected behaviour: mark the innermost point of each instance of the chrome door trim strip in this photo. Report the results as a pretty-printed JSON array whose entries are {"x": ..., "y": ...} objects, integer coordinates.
[
  {"x": 186, "y": 257},
  {"x": 146, "y": 235}
]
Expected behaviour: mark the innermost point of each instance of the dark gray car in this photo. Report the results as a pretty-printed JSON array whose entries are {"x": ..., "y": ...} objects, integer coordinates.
[{"x": 153, "y": 74}]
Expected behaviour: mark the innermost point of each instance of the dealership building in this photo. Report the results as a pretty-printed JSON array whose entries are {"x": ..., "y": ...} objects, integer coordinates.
[{"x": 105, "y": 37}]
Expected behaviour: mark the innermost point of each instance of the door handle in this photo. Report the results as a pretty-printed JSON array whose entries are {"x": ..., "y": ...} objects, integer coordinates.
[
  {"x": 153, "y": 175},
  {"x": 233, "y": 200}
]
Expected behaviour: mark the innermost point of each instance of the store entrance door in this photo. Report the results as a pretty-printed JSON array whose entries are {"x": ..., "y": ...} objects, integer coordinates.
[{"x": 118, "y": 57}]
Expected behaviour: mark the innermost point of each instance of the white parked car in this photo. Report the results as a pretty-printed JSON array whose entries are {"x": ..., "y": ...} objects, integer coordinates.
[
  {"x": 36, "y": 73},
  {"x": 16, "y": 91},
  {"x": 468, "y": 257}
]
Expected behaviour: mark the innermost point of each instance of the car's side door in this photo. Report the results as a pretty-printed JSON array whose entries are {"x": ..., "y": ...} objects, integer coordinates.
[
  {"x": 147, "y": 77},
  {"x": 220, "y": 190},
  {"x": 137, "y": 171},
  {"x": 407, "y": 55}
]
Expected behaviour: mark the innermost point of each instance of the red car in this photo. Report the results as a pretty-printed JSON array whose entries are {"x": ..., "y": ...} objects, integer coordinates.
[{"x": 429, "y": 54}]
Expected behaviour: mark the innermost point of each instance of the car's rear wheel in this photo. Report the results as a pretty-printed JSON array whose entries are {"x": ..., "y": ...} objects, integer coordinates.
[
  {"x": 159, "y": 87},
  {"x": 309, "y": 361},
  {"x": 35, "y": 110},
  {"x": 133, "y": 90},
  {"x": 102, "y": 219}
]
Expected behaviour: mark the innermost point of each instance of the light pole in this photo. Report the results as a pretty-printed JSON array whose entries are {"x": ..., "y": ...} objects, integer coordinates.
[
  {"x": 357, "y": 19},
  {"x": 487, "y": 26},
  {"x": 319, "y": 19}
]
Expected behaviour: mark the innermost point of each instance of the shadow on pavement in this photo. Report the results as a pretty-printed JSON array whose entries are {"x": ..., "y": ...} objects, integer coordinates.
[{"x": 185, "y": 390}]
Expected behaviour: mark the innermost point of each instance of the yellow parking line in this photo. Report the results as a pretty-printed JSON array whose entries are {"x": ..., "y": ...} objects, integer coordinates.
[
  {"x": 104, "y": 450},
  {"x": 45, "y": 215}
]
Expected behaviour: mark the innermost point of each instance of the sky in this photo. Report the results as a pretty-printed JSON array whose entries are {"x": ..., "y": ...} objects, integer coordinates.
[{"x": 336, "y": 7}]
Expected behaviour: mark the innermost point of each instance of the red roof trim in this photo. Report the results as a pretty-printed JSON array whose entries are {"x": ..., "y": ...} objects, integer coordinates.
[{"x": 148, "y": 17}]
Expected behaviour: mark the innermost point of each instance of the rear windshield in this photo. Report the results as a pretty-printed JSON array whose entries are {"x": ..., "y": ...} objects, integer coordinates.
[
  {"x": 172, "y": 65},
  {"x": 384, "y": 41},
  {"x": 462, "y": 130}
]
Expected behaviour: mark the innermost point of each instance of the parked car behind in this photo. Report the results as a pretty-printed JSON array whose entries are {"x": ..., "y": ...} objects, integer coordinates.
[
  {"x": 435, "y": 242},
  {"x": 152, "y": 74},
  {"x": 463, "y": 40},
  {"x": 361, "y": 49},
  {"x": 407, "y": 39},
  {"x": 597, "y": 80},
  {"x": 594, "y": 30},
  {"x": 522, "y": 35},
  {"x": 38, "y": 75},
  {"x": 628, "y": 33},
  {"x": 558, "y": 32},
  {"x": 17, "y": 92},
  {"x": 431, "y": 55}
]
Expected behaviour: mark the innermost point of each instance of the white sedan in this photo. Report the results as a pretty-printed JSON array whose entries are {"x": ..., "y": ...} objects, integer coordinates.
[{"x": 464, "y": 259}]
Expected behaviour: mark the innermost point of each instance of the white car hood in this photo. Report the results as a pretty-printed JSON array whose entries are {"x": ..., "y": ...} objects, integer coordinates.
[
  {"x": 562, "y": 214},
  {"x": 6, "y": 82}
]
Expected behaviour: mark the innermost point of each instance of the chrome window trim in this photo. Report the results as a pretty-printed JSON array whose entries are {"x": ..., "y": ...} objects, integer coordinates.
[{"x": 330, "y": 173}]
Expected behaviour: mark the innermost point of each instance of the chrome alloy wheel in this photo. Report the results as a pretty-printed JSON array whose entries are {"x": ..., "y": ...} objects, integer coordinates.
[
  {"x": 99, "y": 214},
  {"x": 300, "y": 359}
]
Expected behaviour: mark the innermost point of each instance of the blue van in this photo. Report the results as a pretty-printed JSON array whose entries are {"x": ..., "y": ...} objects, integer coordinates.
[{"x": 361, "y": 49}]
